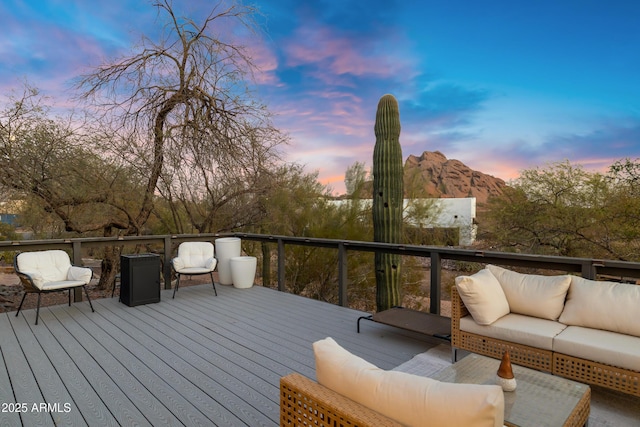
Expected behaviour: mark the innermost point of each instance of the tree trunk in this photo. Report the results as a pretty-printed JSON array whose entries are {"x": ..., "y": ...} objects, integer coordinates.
[{"x": 109, "y": 267}]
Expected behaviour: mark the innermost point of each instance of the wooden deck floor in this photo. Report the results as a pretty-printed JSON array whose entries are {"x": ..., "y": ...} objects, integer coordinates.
[{"x": 195, "y": 360}]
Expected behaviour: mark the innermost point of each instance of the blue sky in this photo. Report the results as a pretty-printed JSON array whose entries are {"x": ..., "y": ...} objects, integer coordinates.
[{"x": 501, "y": 85}]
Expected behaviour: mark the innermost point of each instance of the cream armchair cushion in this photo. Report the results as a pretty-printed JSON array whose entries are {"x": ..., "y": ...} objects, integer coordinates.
[
  {"x": 52, "y": 269},
  {"x": 82, "y": 274},
  {"x": 195, "y": 258},
  {"x": 47, "y": 271},
  {"x": 409, "y": 399}
]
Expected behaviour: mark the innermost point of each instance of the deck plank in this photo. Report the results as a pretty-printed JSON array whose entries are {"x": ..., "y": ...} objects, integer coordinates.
[
  {"x": 197, "y": 359},
  {"x": 23, "y": 381},
  {"x": 85, "y": 399},
  {"x": 153, "y": 372},
  {"x": 51, "y": 386},
  {"x": 189, "y": 375},
  {"x": 10, "y": 417}
]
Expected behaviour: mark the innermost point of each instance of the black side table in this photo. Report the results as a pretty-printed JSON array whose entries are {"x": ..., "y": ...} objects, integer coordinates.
[{"x": 139, "y": 279}]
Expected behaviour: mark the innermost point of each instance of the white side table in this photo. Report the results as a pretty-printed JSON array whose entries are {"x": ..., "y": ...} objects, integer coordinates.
[{"x": 243, "y": 271}]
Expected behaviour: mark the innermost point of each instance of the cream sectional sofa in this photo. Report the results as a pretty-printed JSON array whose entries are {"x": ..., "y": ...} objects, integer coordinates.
[{"x": 577, "y": 328}]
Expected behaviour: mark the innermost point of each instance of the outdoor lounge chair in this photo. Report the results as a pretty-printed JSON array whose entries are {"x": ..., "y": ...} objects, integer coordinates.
[
  {"x": 194, "y": 258},
  {"x": 49, "y": 271}
]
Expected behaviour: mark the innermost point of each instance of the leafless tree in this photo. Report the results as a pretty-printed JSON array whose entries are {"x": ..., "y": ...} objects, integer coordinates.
[{"x": 183, "y": 115}]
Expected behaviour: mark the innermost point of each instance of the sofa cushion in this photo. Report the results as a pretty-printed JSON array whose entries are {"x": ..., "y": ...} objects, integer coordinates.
[
  {"x": 483, "y": 296},
  {"x": 517, "y": 328},
  {"x": 408, "y": 399},
  {"x": 602, "y": 305},
  {"x": 610, "y": 348},
  {"x": 532, "y": 294}
]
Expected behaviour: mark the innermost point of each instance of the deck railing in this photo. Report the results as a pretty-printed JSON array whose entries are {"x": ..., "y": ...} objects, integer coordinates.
[{"x": 586, "y": 267}]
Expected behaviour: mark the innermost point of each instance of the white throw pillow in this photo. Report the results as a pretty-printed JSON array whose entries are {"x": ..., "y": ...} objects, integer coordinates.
[
  {"x": 409, "y": 399},
  {"x": 602, "y": 305},
  {"x": 483, "y": 296},
  {"x": 532, "y": 294}
]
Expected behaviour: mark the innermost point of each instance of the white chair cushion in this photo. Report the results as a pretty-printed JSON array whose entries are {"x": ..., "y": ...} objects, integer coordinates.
[
  {"x": 210, "y": 264},
  {"x": 194, "y": 254},
  {"x": 178, "y": 264},
  {"x": 532, "y": 294},
  {"x": 602, "y": 305},
  {"x": 44, "y": 266},
  {"x": 194, "y": 270},
  {"x": 82, "y": 274},
  {"x": 606, "y": 347},
  {"x": 49, "y": 286},
  {"x": 517, "y": 328},
  {"x": 409, "y": 399},
  {"x": 483, "y": 296}
]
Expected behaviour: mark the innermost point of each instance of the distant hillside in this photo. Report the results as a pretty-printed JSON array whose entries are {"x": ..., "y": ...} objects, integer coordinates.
[
  {"x": 436, "y": 176},
  {"x": 433, "y": 175}
]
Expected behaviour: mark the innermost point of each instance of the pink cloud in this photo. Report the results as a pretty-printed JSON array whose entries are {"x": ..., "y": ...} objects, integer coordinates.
[
  {"x": 265, "y": 60},
  {"x": 323, "y": 46}
]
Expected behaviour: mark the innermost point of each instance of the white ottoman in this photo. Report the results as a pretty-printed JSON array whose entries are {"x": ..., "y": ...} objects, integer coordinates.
[
  {"x": 243, "y": 271},
  {"x": 226, "y": 248}
]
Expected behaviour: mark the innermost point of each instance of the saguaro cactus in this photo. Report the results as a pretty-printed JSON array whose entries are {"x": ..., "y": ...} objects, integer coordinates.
[{"x": 388, "y": 195}]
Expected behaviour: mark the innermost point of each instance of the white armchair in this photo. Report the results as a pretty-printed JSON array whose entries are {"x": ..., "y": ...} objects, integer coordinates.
[
  {"x": 194, "y": 258},
  {"x": 50, "y": 271}
]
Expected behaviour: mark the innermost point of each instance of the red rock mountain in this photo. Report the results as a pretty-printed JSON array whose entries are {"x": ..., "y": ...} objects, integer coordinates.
[{"x": 433, "y": 175}]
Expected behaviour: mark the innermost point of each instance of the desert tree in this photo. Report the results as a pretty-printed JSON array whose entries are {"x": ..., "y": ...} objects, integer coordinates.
[
  {"x": 179, "y": 110},
  {"x": 50, "y": 163},
  {"x": 562, "y": 209}
]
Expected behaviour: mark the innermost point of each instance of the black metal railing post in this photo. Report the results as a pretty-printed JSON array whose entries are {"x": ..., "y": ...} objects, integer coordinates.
[
  {"x": 435, "y": 282},
  {"x": 342, "y": 275},
  {"x": 166, "y": 270},
  {"x": 76, "y": 248},
  {"x": 281, "y": 268}
]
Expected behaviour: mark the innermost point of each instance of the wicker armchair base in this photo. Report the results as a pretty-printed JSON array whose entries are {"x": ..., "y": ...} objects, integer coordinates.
[{"x": 304, "y": 402}]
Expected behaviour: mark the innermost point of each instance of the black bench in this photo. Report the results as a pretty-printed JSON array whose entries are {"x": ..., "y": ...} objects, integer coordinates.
[{"x": 413, "y": 320}]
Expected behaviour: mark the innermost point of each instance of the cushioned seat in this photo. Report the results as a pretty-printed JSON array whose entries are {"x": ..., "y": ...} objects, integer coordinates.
[
  {"x": 50, "y": 271},
  {"x": 194, "y": 258},
  {"x": 518, "y": 328},
  {"x": 63, "y": 284},
  {"x": 607, "y": 347}
]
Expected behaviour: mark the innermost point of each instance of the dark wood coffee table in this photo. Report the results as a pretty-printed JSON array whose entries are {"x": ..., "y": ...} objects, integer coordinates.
[{"x": 540, "y": 399}]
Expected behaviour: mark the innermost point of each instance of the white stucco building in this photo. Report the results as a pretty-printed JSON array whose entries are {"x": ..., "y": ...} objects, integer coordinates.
[
  {"x": 446, "y": 213},
  {"x": 457, "y": 213}
]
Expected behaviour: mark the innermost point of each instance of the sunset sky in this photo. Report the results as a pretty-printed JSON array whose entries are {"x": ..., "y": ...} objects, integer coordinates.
[{"x": 501, "y": 85}]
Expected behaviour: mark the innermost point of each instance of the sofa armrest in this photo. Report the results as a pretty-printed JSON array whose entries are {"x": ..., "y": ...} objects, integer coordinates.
[
  {"x": 458, "y": 311},
  {"x": 458, "y": 308},
  {"x": 302, "y": 399}
]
